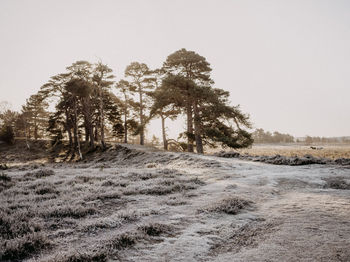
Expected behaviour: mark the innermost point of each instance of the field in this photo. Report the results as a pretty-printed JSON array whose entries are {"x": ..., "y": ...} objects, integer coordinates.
[
  {"x": 323, "y": 151},
  {"x": 134, "y": 203}
]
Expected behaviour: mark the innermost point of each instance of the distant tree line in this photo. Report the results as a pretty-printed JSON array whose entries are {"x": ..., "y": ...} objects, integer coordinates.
[
  {"x": 90, "y": 106},
  {"x": 261, "y": 136},
  {"x": 329, "y": 140}
]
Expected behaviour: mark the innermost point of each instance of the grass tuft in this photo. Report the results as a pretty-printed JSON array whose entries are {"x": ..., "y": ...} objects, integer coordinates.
[
  {"x": 99, "y": 256},
  {"x": 122, "y": 241},
  {"x": 40, "y": 173},
  {"x": 5, "y": 181},
  {"x": 68, "y": 211},
  {"x": 337, "y": 183},
  {"x": 23, "y": 247},
  {"x": 156, "y": 229},
  {"x": 231, "y": 206}
]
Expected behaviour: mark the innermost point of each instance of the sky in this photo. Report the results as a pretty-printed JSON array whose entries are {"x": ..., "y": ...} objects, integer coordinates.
[{"x": 287, "y": 63}]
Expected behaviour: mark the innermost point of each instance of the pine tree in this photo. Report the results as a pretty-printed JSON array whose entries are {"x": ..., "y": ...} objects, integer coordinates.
[
  {"x": 195, "y": 68},
  {"x": 141, "y": 82},
  {"x": 125, "y": 89},
  {"x": 36, "y": 116}
]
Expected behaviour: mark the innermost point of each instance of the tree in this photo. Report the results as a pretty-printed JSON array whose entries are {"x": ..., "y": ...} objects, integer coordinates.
[
  {"x": 125, "y": 88},
  {"x": 102, "y": 78},
  {"x": 35, "y": 115},
  {"x": 140, "y": 81},
  {"x": 223, "y": 123},
  {"x": 162, "y": 108},
  {"x": 6, "y": 134},
  {"x": 215, "y": 120},
  {"x": 60, "y": 121},
  {"x": 193, "y": 67}
]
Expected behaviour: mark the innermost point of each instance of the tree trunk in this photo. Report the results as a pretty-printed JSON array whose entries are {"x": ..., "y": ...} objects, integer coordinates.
[
  {"x": 91, "y": 136},
  {"x": 142, "y": 134},
  {"x": 26, "y": 136},
  {"x": 197, "y": 130},
  {"x": 76, "y": 135},
  {"x": 35, "y": 129},
  {"x": 103, "y": 144},
  {"x": 89, "y": 131},
  {"x": 86, "y": 130},
  {"x": 35, "y": 132},
  {"x": 189, "y": 127},
  {"x": 68, "y": 129},
  {"x": 165, "y": 141},
  {"x": 125, "y": 128}
]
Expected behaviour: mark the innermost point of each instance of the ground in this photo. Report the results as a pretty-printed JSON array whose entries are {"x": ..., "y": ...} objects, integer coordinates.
[{"x": 139, "y": 204}]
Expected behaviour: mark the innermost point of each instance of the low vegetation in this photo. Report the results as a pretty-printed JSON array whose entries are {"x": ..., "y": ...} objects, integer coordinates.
[
  {"x": 40, "y": 173},
  {"x": 156, "y": 229},
  {"x": 337, "y": 183},
  {"x": 231, "y": 206}
]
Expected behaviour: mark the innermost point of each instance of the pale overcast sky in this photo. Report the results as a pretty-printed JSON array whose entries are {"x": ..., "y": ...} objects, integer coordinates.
[{"x": 286, "y": 62}]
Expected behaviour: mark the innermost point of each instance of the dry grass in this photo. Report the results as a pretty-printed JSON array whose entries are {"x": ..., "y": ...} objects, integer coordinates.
[{"x": 331, "y": 152}]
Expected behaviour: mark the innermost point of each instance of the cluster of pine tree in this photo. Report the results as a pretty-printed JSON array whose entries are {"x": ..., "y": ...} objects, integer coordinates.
[{"x": 86, "y": 108}]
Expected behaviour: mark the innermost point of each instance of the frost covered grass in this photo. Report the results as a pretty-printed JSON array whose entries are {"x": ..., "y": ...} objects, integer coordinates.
[
  {"x": 40, "y": 173},
  {"x": 21, "y": 236},
  {"x": 22, "y": 247},
  {"x": 100, "y": 206},
  {"x": 337, "y": 183},
  {"x": 94, "y": 256},
  {"x": 156, "y": 229},
  {"x": 5, "y": 181},
  {"x": 231, "y": 206},
  {"x": 247, "y": 235},
  {"x": 130, "y": 204}
]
